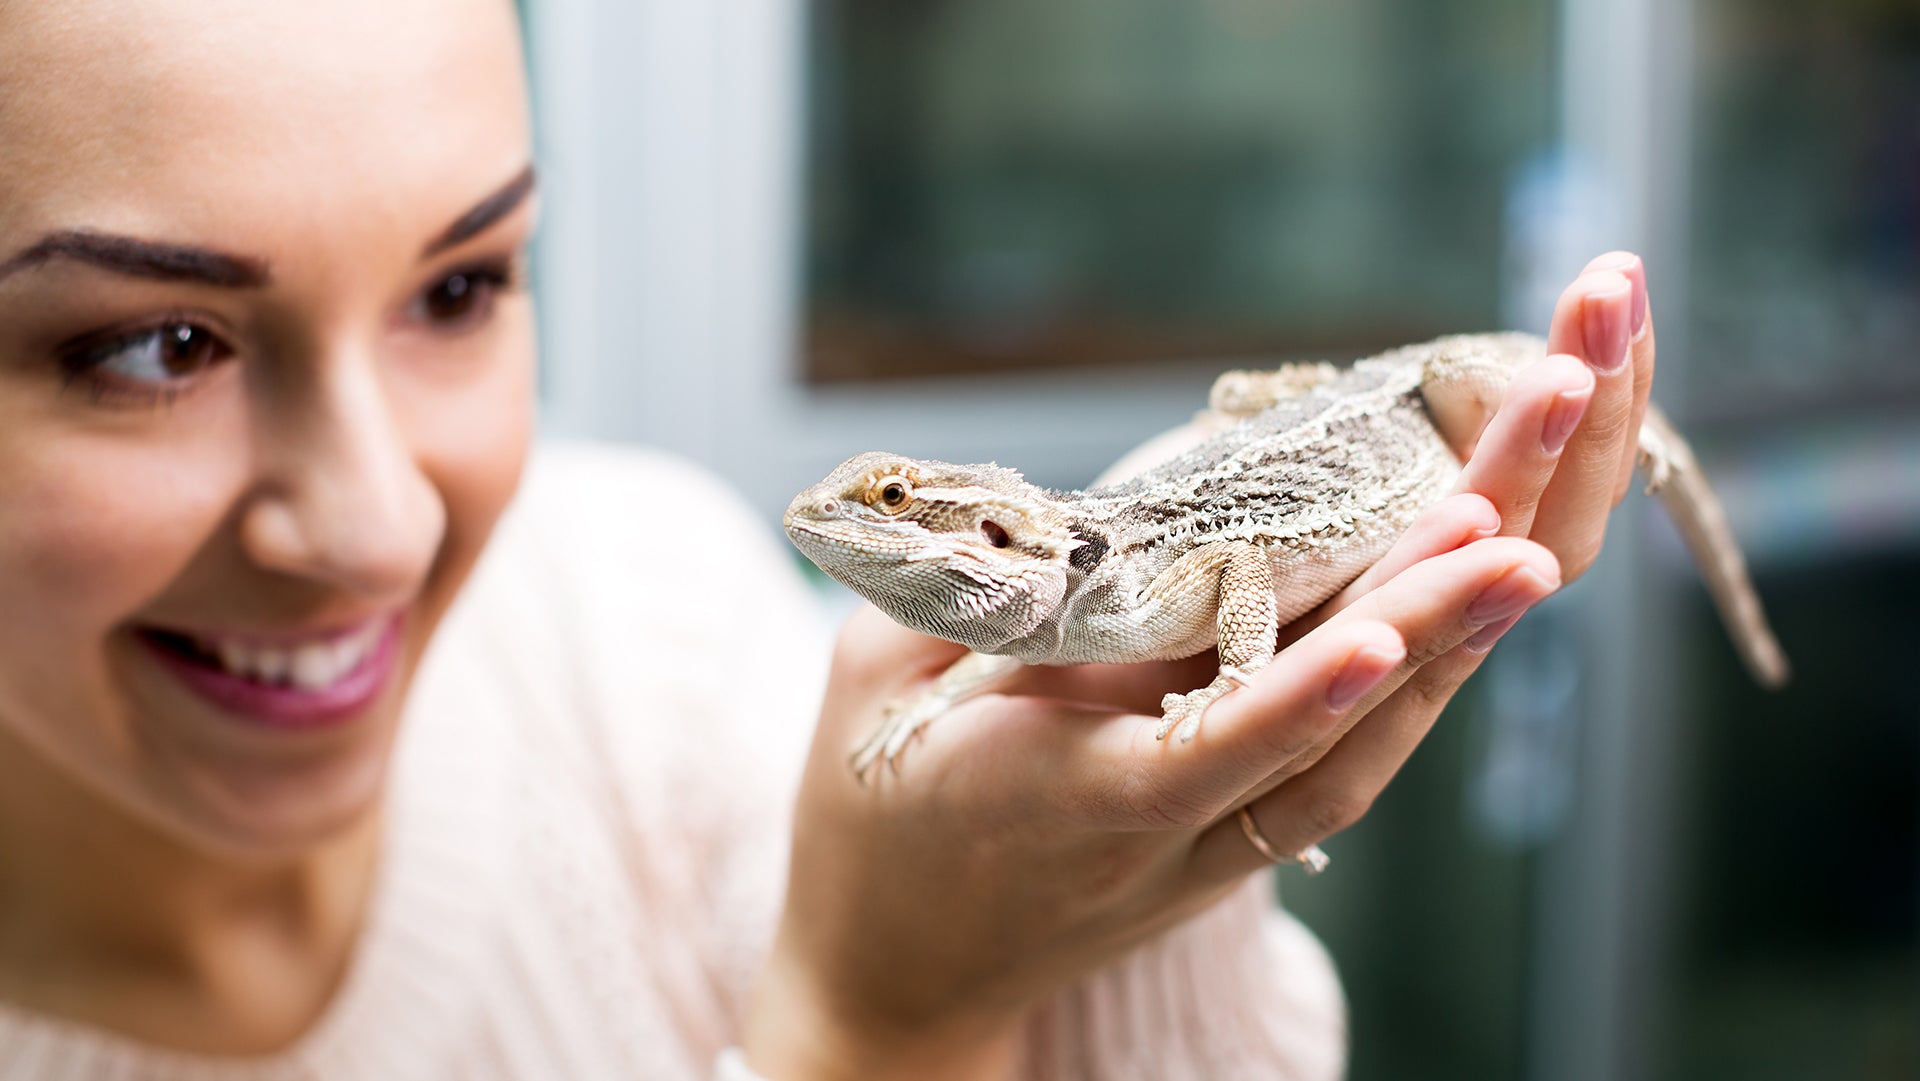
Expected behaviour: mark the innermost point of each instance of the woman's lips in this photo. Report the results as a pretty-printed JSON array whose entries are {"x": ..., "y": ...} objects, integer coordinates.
[{"x": 315, "y": 683}]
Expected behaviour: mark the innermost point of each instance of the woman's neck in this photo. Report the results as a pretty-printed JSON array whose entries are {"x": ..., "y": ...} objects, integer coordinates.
[{"x": 106, "y": 921}]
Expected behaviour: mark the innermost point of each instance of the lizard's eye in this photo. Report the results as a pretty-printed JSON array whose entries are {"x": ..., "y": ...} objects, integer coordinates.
[{"x": 891, "y": 494}]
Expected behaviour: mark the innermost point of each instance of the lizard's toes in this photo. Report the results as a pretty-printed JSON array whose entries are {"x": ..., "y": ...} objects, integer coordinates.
[
  {"x": 1190, "y": 727},
  {"x": 1183, "y": 712},
  {"x": 1178, "y": 711},
  {"x": 1172, "y": 708},
  {"x": 897, "y": 742},
  {"x": 900, "y": 722},
  {"x": 861, "y": 760},
  {"x": 1197, "y": 705},
  {"x": 880, "y": 744}
]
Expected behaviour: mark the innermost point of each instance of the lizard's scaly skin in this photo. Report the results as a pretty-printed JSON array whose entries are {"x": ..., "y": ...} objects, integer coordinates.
[{"x": 1310, "y": 474}]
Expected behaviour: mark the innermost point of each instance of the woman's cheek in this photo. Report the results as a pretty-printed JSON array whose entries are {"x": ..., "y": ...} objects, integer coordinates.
[
  {"x": 92, "y": 528},
  {"x": 470, "y": 437}
]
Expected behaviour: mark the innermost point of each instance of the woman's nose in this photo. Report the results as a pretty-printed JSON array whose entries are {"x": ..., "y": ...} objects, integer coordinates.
[{"x": 341, "y": 498}]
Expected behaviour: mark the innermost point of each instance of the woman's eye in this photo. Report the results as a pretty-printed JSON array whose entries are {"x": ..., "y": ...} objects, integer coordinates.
[
  {"x": 168, "y": 353},
  {"x": 462, "y": 298}
]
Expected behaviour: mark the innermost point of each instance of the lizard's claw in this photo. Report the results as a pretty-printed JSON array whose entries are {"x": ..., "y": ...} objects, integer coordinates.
[
  {"x": 905, "y": 718},
  {"x": 903, "y": 721},
  {"x": 1183, "y": 711}
]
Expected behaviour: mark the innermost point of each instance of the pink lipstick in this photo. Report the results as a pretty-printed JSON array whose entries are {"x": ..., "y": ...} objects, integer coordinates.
[{"x": 314, "y": 683}]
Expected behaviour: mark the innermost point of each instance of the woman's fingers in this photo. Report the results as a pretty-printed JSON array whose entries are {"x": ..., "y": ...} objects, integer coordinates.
[
  {"x": 1516, "y": 457},
  {"x": 1513, "y": 462},
  {"x": 1126, "y": 779},
  {"x": 1326, "y": 796},
  {"x": 1593, "y": 321},
  {"x": 1640, "y": 334},
  {"x": 1512, "y": 465},
  {"x": 1495, "y": 609},
  {"x": 1338, "y": 789},
  {"x": 1452, "y": 523}
]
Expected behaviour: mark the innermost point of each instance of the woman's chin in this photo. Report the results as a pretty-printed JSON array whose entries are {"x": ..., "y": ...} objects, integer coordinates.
[{"x": 273, "y": 813}]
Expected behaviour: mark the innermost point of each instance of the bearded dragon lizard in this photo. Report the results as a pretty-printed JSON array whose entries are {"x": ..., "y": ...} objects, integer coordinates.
[{"x": 1312, "y": 473}]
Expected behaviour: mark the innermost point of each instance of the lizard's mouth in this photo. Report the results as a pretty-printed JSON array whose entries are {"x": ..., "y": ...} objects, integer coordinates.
[
  {"x": 863, "y": 534},
  {"x": 808, "y": 535},
  {"x": 826, "y": 545}
]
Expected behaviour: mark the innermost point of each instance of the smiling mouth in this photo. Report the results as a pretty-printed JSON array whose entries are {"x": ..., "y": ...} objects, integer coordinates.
[
  {"x": 319, "y": 681},
  {"x": 310, "y": 667}
]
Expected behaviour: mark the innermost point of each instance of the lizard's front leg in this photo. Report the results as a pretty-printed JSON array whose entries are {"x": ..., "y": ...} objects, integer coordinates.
[
  {"x": 967, "y": 677},
  {"x": 1248, "y": 622}
]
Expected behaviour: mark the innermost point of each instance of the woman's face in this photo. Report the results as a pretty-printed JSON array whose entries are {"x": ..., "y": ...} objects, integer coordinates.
[{"x": 265, "y": 380}]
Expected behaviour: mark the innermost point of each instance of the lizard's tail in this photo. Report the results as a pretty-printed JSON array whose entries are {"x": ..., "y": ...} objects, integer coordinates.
[{"x": 1671, "y": 472}]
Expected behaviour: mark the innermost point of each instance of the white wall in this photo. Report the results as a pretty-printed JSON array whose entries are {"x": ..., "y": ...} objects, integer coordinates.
[{"x": 669, "y": 138}]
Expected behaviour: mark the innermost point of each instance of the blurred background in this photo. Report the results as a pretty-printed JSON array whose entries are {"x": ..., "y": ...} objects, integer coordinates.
[{"x": 782, "y": 232}]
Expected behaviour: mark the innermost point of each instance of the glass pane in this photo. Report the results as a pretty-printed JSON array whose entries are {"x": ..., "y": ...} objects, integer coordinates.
[
  {"x": 1797, "y": 947},
  {"x": 1806, "y": 205},
  {"x": 1018, "y": 183}
]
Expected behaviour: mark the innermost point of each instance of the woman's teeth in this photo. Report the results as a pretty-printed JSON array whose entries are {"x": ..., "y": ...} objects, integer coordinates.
[{"x": 308, "y": 667}]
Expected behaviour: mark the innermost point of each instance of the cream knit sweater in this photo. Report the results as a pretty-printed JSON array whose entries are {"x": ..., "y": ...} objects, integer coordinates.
[{"x": 587, "y": 827}]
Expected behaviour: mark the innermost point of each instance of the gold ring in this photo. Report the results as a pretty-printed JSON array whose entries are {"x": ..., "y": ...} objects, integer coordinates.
[{"x": 1311, "y": 858}]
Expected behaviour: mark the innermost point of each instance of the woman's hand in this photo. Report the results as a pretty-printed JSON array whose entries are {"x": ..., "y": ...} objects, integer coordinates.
[
  {"x": 1551, "y": 464},
  {"x": 1036, "y": 834}
]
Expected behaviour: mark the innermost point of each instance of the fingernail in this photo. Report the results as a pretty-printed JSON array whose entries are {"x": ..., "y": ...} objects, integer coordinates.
[
  {"x": 1484, "y": 638},
  {"x": 1515, "y": 592},
  {"x": 1603, "y": 324},
  {"x": 1362, "y": 673},
  {"x": 1638, "y": 276},
  {"x": 1489, "y": 521},
  {"x": 1563, "y": 416}
]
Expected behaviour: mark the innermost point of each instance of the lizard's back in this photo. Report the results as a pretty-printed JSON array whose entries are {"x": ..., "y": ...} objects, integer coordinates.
[
  {"x": 1323, "y": 480},
  {"x": 1351, "y": 457}
]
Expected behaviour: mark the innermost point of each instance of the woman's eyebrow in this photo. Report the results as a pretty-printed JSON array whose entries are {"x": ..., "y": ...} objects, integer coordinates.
[
  {"x": 181, "y": 262},
  {"x": 484, "y": 213},
  {"x": 143, "y": 259}
]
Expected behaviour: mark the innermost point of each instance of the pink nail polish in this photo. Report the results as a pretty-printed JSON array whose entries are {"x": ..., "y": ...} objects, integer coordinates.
[
  {"x": 1511, "y": 594},
  {"x": 1362, "y": 673},
  {"x": 1603, "y": 326},
  {"x": 1563, "y": 416},
  {"x": 1638, "y": 276},
  {"x": 1484, "y": 638}
]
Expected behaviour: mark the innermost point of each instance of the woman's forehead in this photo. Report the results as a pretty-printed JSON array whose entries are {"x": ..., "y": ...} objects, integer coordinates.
[{"x": 195, "y": 112}]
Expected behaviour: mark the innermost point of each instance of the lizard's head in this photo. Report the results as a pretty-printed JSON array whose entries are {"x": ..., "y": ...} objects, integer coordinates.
[{"x": 971, "y": 553}]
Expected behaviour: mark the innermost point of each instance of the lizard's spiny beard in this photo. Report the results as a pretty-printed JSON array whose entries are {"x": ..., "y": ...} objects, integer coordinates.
[
  {"x": 981, "y": 607},
  {"x": 975, "y": 594}
]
